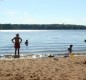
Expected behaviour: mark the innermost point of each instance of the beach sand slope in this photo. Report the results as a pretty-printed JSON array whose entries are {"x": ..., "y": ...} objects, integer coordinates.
[{"x": 44, "y": 69}]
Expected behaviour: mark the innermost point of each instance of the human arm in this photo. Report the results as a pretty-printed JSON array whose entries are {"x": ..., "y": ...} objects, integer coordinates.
[
  {"x": 20, "y": 40},
  {"x": 13, "y": 40}
]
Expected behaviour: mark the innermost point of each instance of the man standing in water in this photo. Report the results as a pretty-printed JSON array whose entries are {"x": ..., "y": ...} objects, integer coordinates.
[{"x": 17, "y": 40}]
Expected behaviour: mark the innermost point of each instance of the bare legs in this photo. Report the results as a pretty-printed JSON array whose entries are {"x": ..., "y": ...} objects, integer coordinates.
[{"x": 16, "y": 51}]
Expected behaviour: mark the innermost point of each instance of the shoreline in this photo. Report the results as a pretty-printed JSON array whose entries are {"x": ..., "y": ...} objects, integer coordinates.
[{"x": 34, "y": 56}]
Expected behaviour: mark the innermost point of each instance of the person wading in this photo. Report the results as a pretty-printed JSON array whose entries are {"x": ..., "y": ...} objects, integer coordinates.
[{"x": 17, "y": 40}]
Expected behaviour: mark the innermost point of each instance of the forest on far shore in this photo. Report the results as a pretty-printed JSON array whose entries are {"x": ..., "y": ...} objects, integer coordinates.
[{"x": 40, "y": 26}]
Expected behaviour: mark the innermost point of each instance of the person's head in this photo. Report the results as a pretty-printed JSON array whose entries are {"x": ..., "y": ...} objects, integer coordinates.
[
  {"x": 71, "y": 45},
  {"x": 26, "y": 40},
  {"x": 17, "y": 35}
]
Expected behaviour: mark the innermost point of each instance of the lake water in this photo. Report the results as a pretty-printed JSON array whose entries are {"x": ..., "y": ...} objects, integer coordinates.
[{"x": 43, "y": 41}]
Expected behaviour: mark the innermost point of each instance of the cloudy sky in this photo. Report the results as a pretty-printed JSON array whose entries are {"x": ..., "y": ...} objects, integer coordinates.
[{"x": 43, "y": 11}]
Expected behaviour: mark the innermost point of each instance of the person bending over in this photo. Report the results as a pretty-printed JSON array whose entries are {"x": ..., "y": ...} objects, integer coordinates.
[{"x": 70, "y": 49}]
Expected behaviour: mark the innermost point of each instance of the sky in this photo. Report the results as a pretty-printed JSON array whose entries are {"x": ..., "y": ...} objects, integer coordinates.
[{"x": 43, "y": 12}]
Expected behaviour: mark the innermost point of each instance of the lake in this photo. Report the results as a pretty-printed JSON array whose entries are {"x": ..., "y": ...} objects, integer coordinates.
[{"x": 44, "y": 41}]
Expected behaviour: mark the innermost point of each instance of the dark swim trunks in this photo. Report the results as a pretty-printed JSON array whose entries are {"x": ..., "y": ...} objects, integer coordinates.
[{"x": 17, "y": 45}]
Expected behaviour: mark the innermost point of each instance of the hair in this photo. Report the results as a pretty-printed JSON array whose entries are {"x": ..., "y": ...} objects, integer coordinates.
[
  {"x": 26, "y": 40},
  {"x": 17, "y": 34},
  {"x": 71, "y": 45}
]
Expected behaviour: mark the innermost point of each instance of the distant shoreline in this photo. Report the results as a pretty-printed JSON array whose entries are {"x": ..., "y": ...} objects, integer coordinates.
[{"x": 41, "y": 27}]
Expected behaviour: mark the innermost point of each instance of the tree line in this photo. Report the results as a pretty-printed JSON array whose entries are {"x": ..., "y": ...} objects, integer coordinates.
[{"x": 40, "y": 26}]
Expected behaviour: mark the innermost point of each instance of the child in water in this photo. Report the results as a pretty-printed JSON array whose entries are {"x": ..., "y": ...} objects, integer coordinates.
[
  {"x": 26, "y": 42},
  {"x": 70, "y": 49}
]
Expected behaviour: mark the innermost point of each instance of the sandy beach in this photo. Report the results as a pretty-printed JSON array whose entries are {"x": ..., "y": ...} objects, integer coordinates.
[{"x": 44, "y": 69}]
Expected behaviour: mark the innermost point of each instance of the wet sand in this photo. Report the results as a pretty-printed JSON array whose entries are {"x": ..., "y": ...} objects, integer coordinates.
[{"x": 58, "y": 68}]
